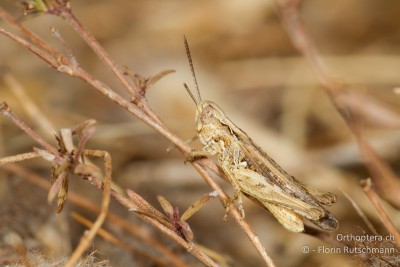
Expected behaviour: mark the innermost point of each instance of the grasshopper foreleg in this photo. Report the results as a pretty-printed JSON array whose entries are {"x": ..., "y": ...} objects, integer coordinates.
[{"x": 198, "y": 154}]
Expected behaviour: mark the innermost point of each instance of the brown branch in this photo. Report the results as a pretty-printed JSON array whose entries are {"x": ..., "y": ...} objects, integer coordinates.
[
  {"x": 6, "y": 111},
  {"x": 19, "y": 157},
  {"x": 30, "y": 35},
  {"x": 99, "y": 50},
  {"x": 135, "y": 93},
  {"x": 361, "y": 214},
  {"x": 367, "y": 186},
  {"x": 34, "y": 49},
  {"x": 386, "y": 182}
]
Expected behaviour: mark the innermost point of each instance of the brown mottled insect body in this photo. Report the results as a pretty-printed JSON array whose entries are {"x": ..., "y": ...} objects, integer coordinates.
[{"x": 253, "y": 173}]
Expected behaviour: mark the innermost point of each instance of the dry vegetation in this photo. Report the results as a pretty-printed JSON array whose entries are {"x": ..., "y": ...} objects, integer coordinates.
[{"x": 314, "y": 83}]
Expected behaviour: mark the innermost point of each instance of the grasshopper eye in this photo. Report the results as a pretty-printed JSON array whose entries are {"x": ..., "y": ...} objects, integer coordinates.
[{"x": 207, "y": 114}]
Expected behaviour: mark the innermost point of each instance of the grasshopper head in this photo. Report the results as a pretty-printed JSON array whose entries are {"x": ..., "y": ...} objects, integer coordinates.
[
  {"x": 209, "y": 117},
  {"x": 208, "y": 114}
]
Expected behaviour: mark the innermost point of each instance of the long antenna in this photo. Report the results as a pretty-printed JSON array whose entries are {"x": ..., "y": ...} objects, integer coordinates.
[
  {"x": 190, "y": 93},
  {"x": 192, "y": 68}
]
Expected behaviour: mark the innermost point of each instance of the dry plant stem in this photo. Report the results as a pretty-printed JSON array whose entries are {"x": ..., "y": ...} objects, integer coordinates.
[
  {"x": 385, "y": 180},
  {"x": 73, "y": 70},
  {"x": 20, "y": 157},
  {"x": 190, "y": 247},
  {"x": 30, "y": 35},
  {"x": 34, "y": 49},
  {"x": 361, "y": 214},
  {"x": 82, "y": 202},
  {"x": 112, "y": 239},
  {"x": 88, "y": 237},
  {"x": 98, "y": 49},
  {"x": 6, "y": 111},
  {"x": 103, "y": 55},
  {"x": 373, "y": 197}
]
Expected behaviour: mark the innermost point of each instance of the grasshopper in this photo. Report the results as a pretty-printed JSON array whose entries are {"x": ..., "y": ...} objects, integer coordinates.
[{"x": 253, "y": 173}]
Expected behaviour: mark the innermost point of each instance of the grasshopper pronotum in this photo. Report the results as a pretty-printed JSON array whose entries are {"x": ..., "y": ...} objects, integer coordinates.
[{"x": 253, "y": 173}]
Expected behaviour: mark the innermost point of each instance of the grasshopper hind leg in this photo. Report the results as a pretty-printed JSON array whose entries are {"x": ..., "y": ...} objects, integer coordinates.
[
  {"x": 288, "y": 218},
  {"x": 237, "y": 195}
]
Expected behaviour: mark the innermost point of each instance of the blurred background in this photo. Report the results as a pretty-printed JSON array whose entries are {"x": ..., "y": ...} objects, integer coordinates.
[{"x": 245, "y": 62}]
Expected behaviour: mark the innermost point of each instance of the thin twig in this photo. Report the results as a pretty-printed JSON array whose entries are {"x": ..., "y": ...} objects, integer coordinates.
[
  {"x": 99, "y": 50},
  {"x": 361, "y": 214},
  {"x": 34, "y": 49},
  {"x": 105, "y": 202},
  {"x": 135, "y": 93},
  {"x": 19, "y": 157},
  {"x": 6, "y": 111},
  {"x": 30, "y": 35},
  {"x": 367, "y": 186}
]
